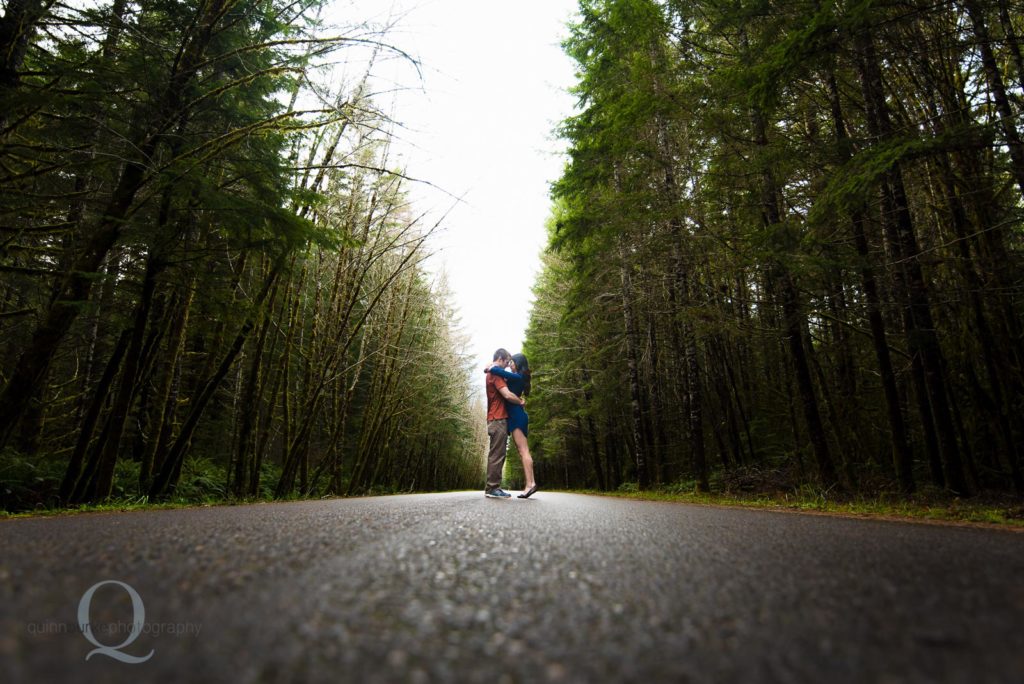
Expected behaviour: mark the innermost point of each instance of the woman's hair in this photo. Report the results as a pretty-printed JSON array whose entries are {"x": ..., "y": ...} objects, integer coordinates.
[{"x": 523, "y": 368}]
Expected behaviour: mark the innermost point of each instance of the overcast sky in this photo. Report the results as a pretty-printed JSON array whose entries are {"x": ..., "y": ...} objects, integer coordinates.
[{"x": 479, "y": 125}]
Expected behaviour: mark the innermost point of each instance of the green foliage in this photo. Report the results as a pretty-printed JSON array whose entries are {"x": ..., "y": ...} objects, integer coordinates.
[
  {"x": 743, "y": 175},
  {"x": 28, "y": 482},
  {"x": 934, "y": 507},
  {"x": 201, "y": 180},
  {"x": 854, "y": 180}
]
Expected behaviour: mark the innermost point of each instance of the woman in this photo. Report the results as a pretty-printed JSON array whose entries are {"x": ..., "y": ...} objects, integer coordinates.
[{"x": 517, "y": 376}]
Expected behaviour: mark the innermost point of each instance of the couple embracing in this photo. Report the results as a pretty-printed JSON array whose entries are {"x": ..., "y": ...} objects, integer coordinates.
[{"x": 508, "y": 383}]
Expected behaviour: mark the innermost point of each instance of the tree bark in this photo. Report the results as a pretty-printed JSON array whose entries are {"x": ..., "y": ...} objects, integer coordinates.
[
  {"x": 167, "y": 477},
  {"x": 794, "y": 320},
  {"x": 899, "y": 229},
  {"x": 73, "y": 289},
  {"x": 588, "y": 397},
  {"x": 128, "y": 385},
  {"x": 154, "y": 454},
  {"x": 1007, "y": 120},
  {"x": 91, "y": 417},
  {"x": 902, "y": 456},
  {"x": 629, "y": 325}
]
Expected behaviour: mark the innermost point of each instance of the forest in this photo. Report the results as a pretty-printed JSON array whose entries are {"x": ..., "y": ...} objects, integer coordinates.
[
  {"x": 785, "y": 251},
  {"x": 211, "y": 276},
  {"x": 785, "y": 254}
]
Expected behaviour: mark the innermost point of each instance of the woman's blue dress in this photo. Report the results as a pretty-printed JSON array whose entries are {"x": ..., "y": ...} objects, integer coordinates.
[{"x": 517, "y": 416}]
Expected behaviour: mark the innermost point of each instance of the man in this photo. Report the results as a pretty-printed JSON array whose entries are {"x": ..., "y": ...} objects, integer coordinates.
[{"x": 497, "y": 425}]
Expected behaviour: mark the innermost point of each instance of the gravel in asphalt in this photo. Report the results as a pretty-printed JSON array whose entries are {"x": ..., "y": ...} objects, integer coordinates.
[{"x": 561, "y": 587}]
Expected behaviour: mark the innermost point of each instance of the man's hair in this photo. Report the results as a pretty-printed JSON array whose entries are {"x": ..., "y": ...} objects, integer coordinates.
[{"x": 502, "y": 355}]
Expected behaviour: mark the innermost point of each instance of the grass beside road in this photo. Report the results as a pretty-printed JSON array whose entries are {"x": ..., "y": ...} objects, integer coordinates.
[
  {"x": 929, "y": 505},
  {"x": 115, "y": 506},
  {"x": 142, "y": 503},
  {"x": 932, "y": 506}
]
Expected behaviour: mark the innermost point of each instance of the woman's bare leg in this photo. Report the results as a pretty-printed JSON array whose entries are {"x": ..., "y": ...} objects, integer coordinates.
[{"x": 524, "y": 453}]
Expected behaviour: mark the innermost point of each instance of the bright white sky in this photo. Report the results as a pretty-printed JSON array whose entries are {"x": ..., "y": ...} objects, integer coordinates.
[{"x": 479, "y": 126}]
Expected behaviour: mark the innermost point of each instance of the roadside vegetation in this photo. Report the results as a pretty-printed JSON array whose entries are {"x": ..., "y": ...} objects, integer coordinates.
[
  {"x": 788, "y": 240},
  {"x": 211, "y": 276}
]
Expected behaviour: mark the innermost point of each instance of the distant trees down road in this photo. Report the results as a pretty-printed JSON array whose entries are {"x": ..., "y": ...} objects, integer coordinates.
[
  {"x": 787, "y": 249},
  {"x": 210, "y": 275}
]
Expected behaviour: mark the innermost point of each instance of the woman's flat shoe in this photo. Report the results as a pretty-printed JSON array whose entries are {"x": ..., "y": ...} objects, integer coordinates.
[{"x": 528, "y": 494}]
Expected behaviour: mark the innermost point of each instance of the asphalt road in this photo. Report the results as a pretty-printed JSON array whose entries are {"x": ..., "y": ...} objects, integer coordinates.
[{"x": 456, "y": 587}]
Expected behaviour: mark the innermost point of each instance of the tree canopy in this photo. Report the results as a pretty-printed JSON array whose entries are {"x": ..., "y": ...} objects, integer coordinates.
[
  {"x": 212, "y": 278},
  {"x": 786, "y": 249}
]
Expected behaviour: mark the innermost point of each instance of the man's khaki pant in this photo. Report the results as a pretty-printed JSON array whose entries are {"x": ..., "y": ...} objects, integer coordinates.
[{"x": 497, "y": 430}]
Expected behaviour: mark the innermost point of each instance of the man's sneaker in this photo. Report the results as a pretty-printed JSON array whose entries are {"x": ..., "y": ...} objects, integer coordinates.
[{"x": 497, "y": 493}]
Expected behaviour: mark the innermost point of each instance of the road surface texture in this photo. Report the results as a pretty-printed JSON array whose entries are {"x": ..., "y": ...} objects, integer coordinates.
[{"x": 456, "y": 587}]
